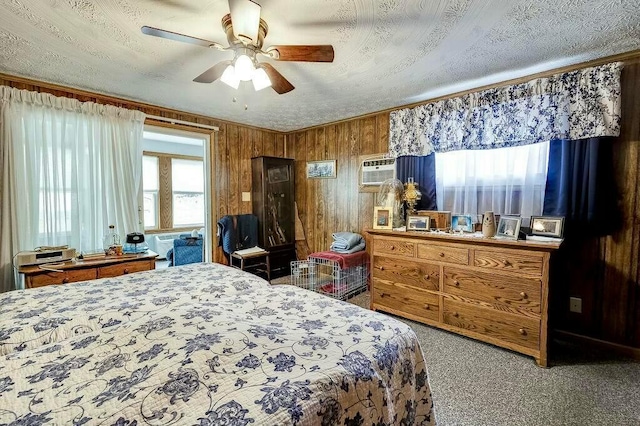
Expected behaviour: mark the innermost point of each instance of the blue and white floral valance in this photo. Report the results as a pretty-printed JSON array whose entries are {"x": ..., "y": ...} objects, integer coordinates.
[{"x": 575, "y": 105}]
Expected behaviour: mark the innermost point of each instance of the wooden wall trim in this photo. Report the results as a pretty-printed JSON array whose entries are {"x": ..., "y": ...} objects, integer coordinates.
[
  {"x": 614, "y": 348},
  {"x": 627, "y": 57}
]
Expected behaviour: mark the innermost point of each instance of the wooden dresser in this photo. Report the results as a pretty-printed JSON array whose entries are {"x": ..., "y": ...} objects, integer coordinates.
[
  {"x": 69, "y": 272},
  {"x": 488, "y": 289}
]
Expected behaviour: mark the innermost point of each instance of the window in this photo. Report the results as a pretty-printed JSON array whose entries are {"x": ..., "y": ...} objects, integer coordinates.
[
  {"x": 173, "y": 191},
  {"x": 151, "y": 187},
  {"x": 188, "y": 192},
  {"x": 506, "y": 180}
]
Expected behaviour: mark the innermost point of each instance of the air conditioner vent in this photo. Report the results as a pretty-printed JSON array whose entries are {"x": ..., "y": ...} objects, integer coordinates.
[{"x": 376, "y": 171}]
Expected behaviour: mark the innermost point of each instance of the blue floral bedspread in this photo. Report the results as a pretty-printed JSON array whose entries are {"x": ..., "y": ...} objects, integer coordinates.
[{"x": 204, "y": 344}]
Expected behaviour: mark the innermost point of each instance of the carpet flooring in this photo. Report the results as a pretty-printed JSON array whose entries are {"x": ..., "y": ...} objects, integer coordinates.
[{"x": 477, "y": 384}]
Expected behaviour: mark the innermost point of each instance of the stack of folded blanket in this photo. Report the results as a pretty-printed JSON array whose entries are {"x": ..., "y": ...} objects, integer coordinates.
[{"x": 347, "y": 242}]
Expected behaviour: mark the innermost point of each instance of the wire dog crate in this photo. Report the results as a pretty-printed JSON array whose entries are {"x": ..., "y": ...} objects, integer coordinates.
[{"x": 325, "y": 276}]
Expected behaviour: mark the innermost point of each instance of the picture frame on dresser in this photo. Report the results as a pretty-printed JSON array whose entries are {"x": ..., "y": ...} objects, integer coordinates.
[
  {"x": 440, "y": 220},
  {"x": 382, "y": 218},
  {"x": 462, "y": 223},
  {"x": 547, "y": 226},
  {"x": 509, "y": 227},
  {"x": 418, "y": 223}
]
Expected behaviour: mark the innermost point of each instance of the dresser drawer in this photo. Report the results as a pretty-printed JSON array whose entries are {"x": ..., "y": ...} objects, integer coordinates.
[
  {"x": 402, "y": 298},
  {"x": 61, "y": 277},
  {"x": 509, "y": 261},
  {"x": 514, "y": 292},
  {"x": 123, "y": 269},
  {"x": 410, "y": 272},
  {"x": 403, "y": 248},
  {"x": 503, "y": 326},
  {"x": 443, "y": 253}
]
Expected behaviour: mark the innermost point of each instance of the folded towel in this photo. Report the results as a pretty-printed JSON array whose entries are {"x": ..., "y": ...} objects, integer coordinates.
[
  {"x": 346, "y": 240},
  {"x": 354, "y": 249}
]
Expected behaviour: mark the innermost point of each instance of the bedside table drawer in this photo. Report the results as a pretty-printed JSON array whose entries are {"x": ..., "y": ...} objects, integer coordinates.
[
  {"x": 123, "y": 269},
  {"x": 62, "y": 277}
]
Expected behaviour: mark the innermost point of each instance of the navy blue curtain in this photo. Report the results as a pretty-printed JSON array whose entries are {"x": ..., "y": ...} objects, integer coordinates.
[
  {"x": 423, "y": 171},
  {"x": 581, "y": 187}
]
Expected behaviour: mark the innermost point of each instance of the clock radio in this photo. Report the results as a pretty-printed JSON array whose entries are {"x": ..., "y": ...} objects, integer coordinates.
[{"x": 25, "y": 258}]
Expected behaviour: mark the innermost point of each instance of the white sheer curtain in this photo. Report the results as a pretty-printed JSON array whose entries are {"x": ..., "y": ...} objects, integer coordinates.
[
  {"x": 69, "y": 170},
  {"x": 506, "y": 180}
]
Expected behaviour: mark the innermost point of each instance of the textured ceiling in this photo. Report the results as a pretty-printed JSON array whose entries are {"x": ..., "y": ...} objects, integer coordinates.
[{"x": 388, "y": 53}]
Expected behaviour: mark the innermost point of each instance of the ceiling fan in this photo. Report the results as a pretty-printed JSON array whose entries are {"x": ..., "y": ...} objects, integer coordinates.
[{"x": 245, "y": 32}]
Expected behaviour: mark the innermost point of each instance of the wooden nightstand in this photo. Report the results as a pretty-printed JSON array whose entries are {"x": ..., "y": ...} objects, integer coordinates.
[{"x": 80, "y": 270}]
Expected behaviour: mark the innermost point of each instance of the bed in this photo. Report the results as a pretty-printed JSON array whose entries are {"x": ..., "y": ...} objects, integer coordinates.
[{"x": 204, "y": 344}]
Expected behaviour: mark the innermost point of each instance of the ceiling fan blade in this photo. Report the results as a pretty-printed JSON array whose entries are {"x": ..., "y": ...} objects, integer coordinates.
[
  {"x": 169, "y": 35},
  {"x": 245, "y": 17},
  {"x": 213, "y": 73},
  {"x": 278, "y": 82},
  {"x": 319, "y": 53}
]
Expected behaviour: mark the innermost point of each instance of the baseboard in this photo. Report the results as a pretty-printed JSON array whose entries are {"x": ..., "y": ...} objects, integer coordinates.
[{"x": 626, "y": 351}]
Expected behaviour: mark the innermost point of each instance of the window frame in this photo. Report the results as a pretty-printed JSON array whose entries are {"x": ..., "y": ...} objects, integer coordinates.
[{"x": 164, "y": 217}]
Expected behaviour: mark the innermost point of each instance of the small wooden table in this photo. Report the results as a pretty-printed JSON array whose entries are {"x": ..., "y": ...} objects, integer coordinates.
[
  {"x": 248, "y": 266},
  {"x": 84, "y": 270}
]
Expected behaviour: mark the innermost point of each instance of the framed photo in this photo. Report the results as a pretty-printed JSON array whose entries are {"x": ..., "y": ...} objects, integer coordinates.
[
  {"x": 418, "y": 223},
  {"x": 321, "y": 169},
  {"x": 382, "y": 218},
  {"x": 461, "y": 222},
  {"x": 548, "y": 226},
  {"x": 439, "y": 219},
  {"x": 278, "y": 174},
  {"x": 509, "y": 227}
]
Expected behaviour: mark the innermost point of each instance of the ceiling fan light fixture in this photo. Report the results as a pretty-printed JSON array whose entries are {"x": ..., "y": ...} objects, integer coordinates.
[
  {"x": 230, "y": 78},
  {"x": 245, "y": 16},
  {"x": 244, "y": 67},
  {"x": 260, "y": 79}
]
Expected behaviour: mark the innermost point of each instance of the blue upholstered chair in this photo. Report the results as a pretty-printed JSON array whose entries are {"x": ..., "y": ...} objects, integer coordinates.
[{"x": 186, "y": 249}]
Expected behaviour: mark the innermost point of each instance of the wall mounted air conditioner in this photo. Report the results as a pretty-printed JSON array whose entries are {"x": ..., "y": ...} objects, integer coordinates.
[{"x": 376, "y": 171}]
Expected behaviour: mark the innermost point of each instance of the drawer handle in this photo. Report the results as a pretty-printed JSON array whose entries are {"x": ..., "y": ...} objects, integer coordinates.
[
  {"x": 455, "y": 314},
  {"x": 427, "y": 307},
  {"x": 523, "y": 295},
  {"x": 506, "y": 263},
  {"x": 65, "y": 280},
  {"x": 456, "y": 283},
  {"x": 382, "y": 295},
  {"x": 441, "y": 254},
  {"x": 381, "y": 268},
  {"x": 126, "y": 271},
  {"x": 523, "y": 331}
]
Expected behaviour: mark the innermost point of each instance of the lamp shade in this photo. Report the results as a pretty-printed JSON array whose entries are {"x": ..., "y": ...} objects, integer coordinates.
[
  {"x": 260, "y": 79},
  {"x": 244, "y": 68},
  {"x": 229, "y": 77}
]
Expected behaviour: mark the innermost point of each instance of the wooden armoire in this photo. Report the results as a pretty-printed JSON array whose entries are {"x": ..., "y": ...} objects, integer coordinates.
[{"x": 273, "y": 197}]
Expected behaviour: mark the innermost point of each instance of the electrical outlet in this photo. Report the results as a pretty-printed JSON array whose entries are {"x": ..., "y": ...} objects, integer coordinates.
[
  {"x": 246, "y": 196},
  {"x": 575, "y": 305}
]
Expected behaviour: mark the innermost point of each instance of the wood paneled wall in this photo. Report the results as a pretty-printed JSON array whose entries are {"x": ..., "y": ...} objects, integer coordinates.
[
  {"x": 326, "y": 206},
  {"x": 602, "y": 271},
  {"x": 230, "y": 158}
]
